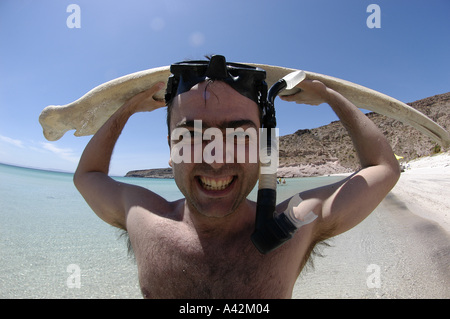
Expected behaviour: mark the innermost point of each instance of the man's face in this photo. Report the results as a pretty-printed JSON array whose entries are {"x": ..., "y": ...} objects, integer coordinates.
[{"x": 214, "y": 188}]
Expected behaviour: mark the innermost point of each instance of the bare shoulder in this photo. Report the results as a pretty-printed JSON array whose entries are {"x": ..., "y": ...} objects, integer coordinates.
[
  {"x": 148, "y": 212},
  {"x": 139, "y": 200}
]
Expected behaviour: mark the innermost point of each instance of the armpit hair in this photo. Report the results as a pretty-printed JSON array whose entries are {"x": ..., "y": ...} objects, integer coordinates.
[
  {"x": 316, "y": 248},
  {"x": 123, "y": 235}
]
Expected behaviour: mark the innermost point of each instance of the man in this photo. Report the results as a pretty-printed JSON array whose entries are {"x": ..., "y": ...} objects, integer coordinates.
[{"x": 200, "y": 246}]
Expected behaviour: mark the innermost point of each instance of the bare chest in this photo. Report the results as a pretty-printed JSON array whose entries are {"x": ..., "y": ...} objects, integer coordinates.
[{"x": 179, "y": 265}]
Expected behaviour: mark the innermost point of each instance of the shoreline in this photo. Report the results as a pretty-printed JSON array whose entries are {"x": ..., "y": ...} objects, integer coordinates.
[
  {"x": 424, "y": 187},
  {"x": 330, "y": 168}
]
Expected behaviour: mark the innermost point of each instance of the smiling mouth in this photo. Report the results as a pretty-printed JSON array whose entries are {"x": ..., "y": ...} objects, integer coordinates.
[{"x": 215, "y": 184}]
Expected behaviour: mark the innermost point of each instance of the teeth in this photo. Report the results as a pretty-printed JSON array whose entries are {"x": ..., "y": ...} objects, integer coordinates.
[{"x": 215, "y": 184}]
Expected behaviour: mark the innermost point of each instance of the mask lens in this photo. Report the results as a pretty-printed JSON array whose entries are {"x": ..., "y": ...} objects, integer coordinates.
[{"x": 247, "y": 80}]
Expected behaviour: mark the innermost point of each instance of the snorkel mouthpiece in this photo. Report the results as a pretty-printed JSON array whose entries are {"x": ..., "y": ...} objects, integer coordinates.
[{"x": 272, "y": 230}]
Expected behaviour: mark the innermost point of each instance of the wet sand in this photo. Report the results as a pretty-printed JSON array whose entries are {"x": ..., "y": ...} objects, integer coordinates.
[{"x": 402, "y": 250}]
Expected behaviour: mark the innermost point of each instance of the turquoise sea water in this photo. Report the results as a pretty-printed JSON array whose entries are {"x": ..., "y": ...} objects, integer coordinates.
[{"x": 51, "y": 241}]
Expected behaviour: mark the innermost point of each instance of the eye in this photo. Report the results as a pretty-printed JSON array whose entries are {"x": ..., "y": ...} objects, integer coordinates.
[
  {"x": 185, "y": 136},
  {"x": 241, "y": 138},
  {"x": 238, "y": 138}
]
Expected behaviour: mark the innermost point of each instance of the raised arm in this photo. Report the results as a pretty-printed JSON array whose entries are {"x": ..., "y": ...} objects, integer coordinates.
[
  {"x": 107, "y": 197},
  {"x": 343, "y": 205}
]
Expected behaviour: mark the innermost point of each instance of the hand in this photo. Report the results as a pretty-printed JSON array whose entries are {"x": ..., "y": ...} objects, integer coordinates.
[
  {"x": 312, "y": 92},
  {"x": 145, "y": 101}
]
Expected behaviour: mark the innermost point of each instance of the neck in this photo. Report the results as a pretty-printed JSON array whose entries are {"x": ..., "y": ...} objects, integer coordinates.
[{"x": 236, "y": 222}]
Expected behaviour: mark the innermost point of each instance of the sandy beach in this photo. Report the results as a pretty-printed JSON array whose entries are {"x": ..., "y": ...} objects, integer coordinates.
[
  {"x": 402, "y": 250},
  {"x": 425, "y": 188}
]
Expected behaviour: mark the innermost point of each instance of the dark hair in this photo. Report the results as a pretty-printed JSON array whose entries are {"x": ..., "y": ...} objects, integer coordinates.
[
  {"x": 169, "y": 105},
  {"x": 169, "y": 113}
]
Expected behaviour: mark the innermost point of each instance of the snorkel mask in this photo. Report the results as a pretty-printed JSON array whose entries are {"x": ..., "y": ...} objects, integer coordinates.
[
  {"x": 245, "y": 79},
  {"x": 271, "y": 230}
]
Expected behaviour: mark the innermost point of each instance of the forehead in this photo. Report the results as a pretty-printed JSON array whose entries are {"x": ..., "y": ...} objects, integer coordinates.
[{"x": 213, "y": 103}]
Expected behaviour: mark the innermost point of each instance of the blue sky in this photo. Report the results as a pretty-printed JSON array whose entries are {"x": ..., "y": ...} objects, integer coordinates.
[{"x": 43, "y": 62}]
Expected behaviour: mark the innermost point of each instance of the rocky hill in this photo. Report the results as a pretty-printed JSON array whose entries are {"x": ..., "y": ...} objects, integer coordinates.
[
  {"x": 153, "y": 173},
  {"x": 328, "y": 149}
]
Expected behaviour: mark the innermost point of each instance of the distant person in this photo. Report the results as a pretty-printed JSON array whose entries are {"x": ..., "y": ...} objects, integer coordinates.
[{"x": 199, "y": 246}]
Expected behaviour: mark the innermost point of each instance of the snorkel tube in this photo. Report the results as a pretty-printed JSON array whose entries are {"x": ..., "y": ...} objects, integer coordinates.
[{"x": 272, "y": 230}]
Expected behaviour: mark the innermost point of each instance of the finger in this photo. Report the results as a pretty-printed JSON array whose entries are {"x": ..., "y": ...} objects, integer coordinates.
[
  {"x": 290, "y": 98},
  {"x": 150, "y": 99},
  {"x": 155, "y": 88},
  {"x": 147, "y": 96},
  {"x": 159, "y": 103}
]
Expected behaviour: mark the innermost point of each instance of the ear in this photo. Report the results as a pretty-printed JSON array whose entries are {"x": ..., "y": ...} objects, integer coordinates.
[{"x": 170, "y": 159}]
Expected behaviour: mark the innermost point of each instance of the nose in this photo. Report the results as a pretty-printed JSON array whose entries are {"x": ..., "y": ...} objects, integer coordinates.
[
  {"x": 215, "y": 154},
  {"x": 216, "y": 165}
]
